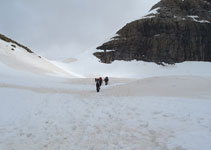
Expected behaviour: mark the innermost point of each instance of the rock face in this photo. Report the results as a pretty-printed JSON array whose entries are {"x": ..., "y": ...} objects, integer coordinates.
[{"x": 173, "y": 31}]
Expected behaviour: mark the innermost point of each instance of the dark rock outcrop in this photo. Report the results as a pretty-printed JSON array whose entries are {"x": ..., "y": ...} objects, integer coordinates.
[
  {"x": 4, "y": 38},
  {"x": 174, "y": 31}
]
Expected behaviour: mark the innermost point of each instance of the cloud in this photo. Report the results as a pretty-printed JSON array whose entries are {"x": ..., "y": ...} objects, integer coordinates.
[{"x": 42, "y": 25}]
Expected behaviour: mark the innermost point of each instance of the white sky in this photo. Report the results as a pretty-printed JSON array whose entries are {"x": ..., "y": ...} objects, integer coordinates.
[{"x": 58, "y": 29}]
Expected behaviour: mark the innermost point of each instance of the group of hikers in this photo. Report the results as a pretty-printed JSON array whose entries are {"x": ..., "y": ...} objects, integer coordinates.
[{"x": 99, "y": 82}]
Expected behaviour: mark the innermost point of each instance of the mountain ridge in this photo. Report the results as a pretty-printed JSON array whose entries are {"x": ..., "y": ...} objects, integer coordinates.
[
  {"x": 176, "y": 31},
  {"x": 18, "y": 57},
  {"x": 4, "y": 38}
]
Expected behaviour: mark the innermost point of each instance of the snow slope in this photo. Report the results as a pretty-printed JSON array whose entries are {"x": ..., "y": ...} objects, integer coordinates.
[
  {"x": 89, "y": 66},
  {"x": 18, "y": 58},
  {"x": 158, "y": 113},
  {"x": 145, "y": 106}
]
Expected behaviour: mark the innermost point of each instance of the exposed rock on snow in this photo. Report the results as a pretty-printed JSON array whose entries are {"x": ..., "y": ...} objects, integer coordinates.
[
  {"x": 184, "y": 31},
  {"x": 4, "y": 38}
]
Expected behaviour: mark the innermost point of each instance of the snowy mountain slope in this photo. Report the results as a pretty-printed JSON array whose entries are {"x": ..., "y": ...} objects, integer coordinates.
[
  {"x": 169, "y": 112},
  {"x": 49, "y": 113},
  {"x": 19, "y": 58},
  {"x": 89, "y": 66},
  {"x": 146, "y": 106}
]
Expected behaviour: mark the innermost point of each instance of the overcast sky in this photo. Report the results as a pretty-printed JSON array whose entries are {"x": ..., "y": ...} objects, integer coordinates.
[{"x": 59, "y": 29}]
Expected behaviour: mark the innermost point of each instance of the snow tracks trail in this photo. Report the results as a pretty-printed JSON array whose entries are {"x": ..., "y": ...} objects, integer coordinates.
[{"x": 159, "y": 113}]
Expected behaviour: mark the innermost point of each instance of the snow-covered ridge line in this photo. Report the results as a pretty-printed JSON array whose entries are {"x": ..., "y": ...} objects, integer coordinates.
[
  {"x": 6, "y": 39},
  {"x": 17, "y": 57}
]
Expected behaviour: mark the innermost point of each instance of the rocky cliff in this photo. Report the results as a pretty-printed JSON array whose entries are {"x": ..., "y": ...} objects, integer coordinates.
[{"x": 173, "y": 31}]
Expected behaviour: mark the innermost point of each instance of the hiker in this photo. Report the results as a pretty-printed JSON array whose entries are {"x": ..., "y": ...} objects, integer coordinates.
[
  {"x": 100, "y": 80},
  {"x": 106, "y": 80},
  {"x": 97, "y": 85}
]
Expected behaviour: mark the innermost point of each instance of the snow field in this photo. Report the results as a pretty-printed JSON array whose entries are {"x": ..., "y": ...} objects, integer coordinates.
[
  {"x": 69, "y": 114},
  {"x": 49, "y": 105}
]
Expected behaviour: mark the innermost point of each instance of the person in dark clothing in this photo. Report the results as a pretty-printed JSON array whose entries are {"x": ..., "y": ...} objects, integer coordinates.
[
  {"x": 98, "y": 85},
  {"x": 106, "y": 80},
  {"x": 100, "y": 80}
]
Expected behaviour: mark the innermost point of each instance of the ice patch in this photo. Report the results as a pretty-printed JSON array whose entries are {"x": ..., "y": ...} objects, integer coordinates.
[
  {"x": 196, "y": 19},
  {"x": 151, "y": 14}
]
